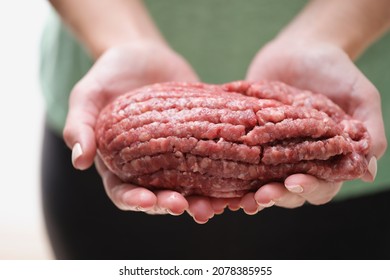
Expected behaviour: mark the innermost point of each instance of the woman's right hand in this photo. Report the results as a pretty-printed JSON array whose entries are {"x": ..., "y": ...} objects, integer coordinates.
[{"x": 119, "y": 70}]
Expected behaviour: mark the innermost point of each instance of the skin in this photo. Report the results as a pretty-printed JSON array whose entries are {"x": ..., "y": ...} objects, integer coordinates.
[
  {"x": 331, "y": 34},
  {"x": 120, "y": 70},
  {"x": 125, "y": 43}
]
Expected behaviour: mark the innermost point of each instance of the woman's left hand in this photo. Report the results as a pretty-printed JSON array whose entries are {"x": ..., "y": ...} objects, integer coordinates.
[{"x": 328, "y": 70}]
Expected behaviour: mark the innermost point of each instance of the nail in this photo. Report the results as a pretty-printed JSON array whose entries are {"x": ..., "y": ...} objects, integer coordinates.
[
  {"x": 253, "y": 212},
  {"x": 295, "y": 188},
  {"x": 372, "y": 167},
  {"x": 269, "y": 204},
  {"x": 76, "y": 153},
  {"x": 140, "y": 209},
  {"x": 170, "y": 212},
  {"x": 200, "y": 222},
  {"x": 234, "y": 208}
]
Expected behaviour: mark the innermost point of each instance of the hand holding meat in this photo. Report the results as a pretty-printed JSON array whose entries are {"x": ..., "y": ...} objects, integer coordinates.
[
  {"x": 122, "y": 70},
  {"x": 117, "y": 71},
  {"x": 327, "y": 69},
  {"x": 226, "y": 141}
]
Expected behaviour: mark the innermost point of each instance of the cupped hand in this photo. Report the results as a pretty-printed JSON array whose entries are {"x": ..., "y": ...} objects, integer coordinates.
[
  {"x": 326, "y": 69},
  {"x": 118, "y": 71}
]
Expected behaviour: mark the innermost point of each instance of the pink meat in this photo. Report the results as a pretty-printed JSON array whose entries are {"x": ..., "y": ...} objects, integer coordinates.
[{"x": 227, "y": 140}]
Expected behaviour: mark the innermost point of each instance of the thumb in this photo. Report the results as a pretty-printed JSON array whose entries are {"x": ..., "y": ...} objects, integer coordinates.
[
  {"x": 369, "y": 111},
  {"x": 263, "y": 65},
  {"x": 86, "y": 101},
  {"x": 256, "y": 72}
]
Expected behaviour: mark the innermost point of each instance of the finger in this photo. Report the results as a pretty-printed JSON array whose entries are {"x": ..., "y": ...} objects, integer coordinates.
[
  {"x": 310, "y": 188},
  {"x": 167, "y": 201},
  {"x": 218, "y": 205},
  {"x": 370, "y": 113},
  {"x": 100, "y": 166},
  {"x": 249, "y": 204},
  {"x": 186, "y": 73},
  {"x": 234, "y": 203},
  {"x": 276, "y": 194},
  {"x": 125, "y": 196},
  {"x": 171, "y": 202},
  {"x": 371, "y": 170},
  {"x": 110, "y": 180},
  {"x": 128, "y": 196},
  {"x": 200, "y": 209},
  {"x": 85, "y": 104}
]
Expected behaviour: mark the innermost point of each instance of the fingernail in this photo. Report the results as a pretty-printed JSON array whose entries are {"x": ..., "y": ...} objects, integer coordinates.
[
  {"x": 234, "y": 208},
  {"x": 372, "y": 167},
  {"x": 139, "y": 208},
  {"x": 169, "y": 211},
  {"x": 251, "y": 213},
  {"x": 200, "y": 222},
  {"x": 196, "y": 219},
  {"x": 269, "y": 204},
  {"x": 76, "y": 153},
  {"x": 295, "y": 188}
]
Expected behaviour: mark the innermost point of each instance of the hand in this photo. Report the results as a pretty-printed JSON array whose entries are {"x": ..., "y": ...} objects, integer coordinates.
[
  {"x": 326, "y": 69},
  {"x": 118, "y": 71}
]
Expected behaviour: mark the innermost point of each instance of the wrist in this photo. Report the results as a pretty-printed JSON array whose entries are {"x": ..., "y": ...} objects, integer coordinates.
[
  {"x": 100, "y": 44},
  {"x": 351, "y": 25},
  {"x": 101, "y": 25},
  {"x": 316, "y": 37},
  {"x": 309, "y": 40}
]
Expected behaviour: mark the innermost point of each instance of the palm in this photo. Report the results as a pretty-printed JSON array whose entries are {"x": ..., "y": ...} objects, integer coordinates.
[{"x": 327, "y": 70}]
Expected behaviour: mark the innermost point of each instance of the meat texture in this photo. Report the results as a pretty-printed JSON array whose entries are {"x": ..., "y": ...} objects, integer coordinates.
[{"x": 227, "y": 140}]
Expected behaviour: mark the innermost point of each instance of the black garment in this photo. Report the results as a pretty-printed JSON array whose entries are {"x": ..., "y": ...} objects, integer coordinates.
[{"x": 83, "y": 224}]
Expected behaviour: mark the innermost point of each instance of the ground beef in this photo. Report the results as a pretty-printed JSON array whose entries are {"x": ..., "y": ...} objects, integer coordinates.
[{"x": 227, "y": 140}]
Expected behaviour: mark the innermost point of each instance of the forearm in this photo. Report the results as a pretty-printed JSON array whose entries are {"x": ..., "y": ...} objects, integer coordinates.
[
  {"x": 102, "y": 24},
  {"x": 350, "y": 24}
]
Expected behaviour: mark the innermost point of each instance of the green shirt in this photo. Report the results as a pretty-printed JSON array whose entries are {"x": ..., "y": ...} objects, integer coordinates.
[{"x": 219, "y": 39}]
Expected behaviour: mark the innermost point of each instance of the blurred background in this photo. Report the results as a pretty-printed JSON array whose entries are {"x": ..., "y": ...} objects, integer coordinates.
[{"x": 22, "y": 232}]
